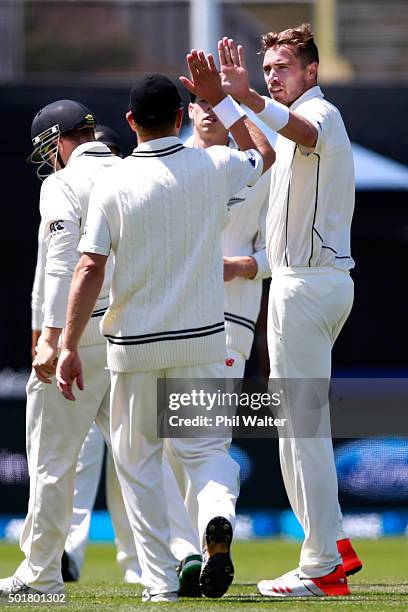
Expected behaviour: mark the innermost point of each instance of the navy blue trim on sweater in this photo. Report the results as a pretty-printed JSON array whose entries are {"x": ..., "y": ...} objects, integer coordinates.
[
  {"x": 159, "y": 152},
  {"x": 182, "y": 334},
  {"x": 229, "y": 316}
]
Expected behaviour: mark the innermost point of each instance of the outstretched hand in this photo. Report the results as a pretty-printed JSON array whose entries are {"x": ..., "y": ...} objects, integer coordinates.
[
  {"x": 69, "y": 369},
  {"x": 235, "y": 80},
  {"x": 205, "y": 81}
]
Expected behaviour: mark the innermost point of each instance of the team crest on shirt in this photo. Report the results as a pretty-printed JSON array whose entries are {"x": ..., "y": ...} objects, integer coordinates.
[
  {"x": 251, "y": 158},
  {"x": 56, "y": 226},
  {"x": 234, "y": 201}
]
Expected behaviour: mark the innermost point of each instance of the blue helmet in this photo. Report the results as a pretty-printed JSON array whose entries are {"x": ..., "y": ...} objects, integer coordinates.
[{"x": 49, "y": 123}]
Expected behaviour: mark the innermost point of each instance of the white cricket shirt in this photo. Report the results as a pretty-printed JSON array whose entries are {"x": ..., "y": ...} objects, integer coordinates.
[
  {"x": 64, "y": 202},
  {"x": 162, "y": 210},
  {"x": 244, "y": 234},
  {"x": 312, "y": 193}
]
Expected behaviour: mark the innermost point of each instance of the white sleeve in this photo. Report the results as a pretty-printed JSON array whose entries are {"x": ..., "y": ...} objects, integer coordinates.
[
  {"x": 62, "y": 257},
  {"x": 96, "y": 237},
  {"x": 61, "y": 215},
  {"x": 259, "y": 253},
  {"x": 318, "y": 117},
  {"x": 243, "y": 169},
  {"x": 37, "y": 293}
]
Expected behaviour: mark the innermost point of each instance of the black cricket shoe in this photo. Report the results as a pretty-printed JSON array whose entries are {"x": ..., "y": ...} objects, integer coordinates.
[
  {"x": 217, "y": 573},
  {"x": 189, "y": 576},
  {"x": 69, "y": 569}
]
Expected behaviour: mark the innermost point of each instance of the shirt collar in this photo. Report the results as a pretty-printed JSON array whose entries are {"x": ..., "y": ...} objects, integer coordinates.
[
  {"x": 89, "y": 147},
  {"x": 313, "y": 92},
  {"x": 158, "y": 144}
]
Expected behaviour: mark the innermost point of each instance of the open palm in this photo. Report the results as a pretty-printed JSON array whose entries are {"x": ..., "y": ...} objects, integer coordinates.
[{"x": 234, "y": 75}]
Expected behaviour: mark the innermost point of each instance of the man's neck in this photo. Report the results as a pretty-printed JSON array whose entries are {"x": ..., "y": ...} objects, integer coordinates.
[
  {"x": 145, "y": 137},
  {"x": 203, "y": 142}
]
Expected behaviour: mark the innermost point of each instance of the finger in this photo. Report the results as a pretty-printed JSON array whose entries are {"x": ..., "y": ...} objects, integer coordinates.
[
  {"x": 43, "y": 377},
  {"x": 192, "y": 65},
  {"x": 234, "y": 51},
  {"x": 227, "y": 51},
  {"x": 203, "y": 61},
  {"x": 221, "y": 54},
  {"x": 80, "y": 381},
  {"x": 187, "y": 84},
  {"x": 241, "y": 56},
  {"x": 66, "y": 390},
  {"x": 211, "y": 62}
]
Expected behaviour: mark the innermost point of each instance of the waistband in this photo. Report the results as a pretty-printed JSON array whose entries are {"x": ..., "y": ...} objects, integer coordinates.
[{"x": 307, "y": 271}]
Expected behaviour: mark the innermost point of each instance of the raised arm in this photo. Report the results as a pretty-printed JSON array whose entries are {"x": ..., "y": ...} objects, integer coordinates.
[
  {"x": 235, "y": 81},
  {"x": 205, "y": 83}
]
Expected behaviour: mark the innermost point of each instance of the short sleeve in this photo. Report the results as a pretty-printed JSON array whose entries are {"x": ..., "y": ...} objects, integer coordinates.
[
  {"x": 317, "y": 115},
  {"x": 243, "y": 169},
  {"x": 58, "y": 201},
  {"x": 96, "y": 237}
]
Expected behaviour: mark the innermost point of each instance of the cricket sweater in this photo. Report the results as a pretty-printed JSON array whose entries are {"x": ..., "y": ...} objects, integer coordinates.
[
  {"x": 165, "y": 207},
  {"x": 244, "y": 235}
]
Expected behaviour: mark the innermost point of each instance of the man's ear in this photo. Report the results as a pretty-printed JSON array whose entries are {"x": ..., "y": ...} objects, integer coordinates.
[
  {"x": 312, "y": 71},
  {"x": 190, "y": 110},
  {"x": 179, "y": 117},
  {"x": 131, "y": 121}
]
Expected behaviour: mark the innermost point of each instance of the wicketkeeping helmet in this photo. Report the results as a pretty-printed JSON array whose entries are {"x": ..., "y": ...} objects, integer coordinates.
[{"x": 48, "y": 124}]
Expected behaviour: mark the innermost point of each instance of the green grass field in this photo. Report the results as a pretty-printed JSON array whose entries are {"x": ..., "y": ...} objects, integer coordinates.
[{"x": 381, "y": 585}]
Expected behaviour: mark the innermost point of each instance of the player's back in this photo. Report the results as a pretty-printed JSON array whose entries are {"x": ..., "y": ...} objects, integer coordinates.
[{"x": 166, "y": 236}]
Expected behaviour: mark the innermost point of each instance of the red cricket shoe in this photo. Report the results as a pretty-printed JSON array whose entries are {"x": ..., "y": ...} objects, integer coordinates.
[
  {"x": 351, "y": 563},
  {"x": 293, "y": 584}
]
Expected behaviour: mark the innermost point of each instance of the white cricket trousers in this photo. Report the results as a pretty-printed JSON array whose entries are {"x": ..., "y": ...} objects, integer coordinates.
[
  {"x": 307, "y": 310},
  {"x": 88, "y": 473},
  {"x": 184, "y": 522},
  {"x": 137, "y": 452},
  {"x": 55, "y": 431}
]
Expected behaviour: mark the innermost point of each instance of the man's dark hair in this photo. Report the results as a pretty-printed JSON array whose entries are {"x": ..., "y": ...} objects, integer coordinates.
[
  {"x": 158, "y": 128},
  {"x": 300, "y": 38},
  {"x": 82, "y": 134}
]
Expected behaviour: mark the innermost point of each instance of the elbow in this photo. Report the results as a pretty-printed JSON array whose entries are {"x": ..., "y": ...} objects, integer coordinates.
[
  {"x": 269, "y": 158},
  {"x": 89, "y": 270},
  {"x": 310, "y": 138}
]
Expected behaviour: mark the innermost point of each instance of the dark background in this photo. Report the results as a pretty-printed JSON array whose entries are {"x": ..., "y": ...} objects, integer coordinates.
[
  {"x": 375, "y": 335},
  {"x": 373, "y": 341}
]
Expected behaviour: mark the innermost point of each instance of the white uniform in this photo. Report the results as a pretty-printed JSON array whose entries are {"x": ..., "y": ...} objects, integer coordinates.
[
  {"x": 243, "y": 235},
  {"x": 308, "y": 246},
  {"x": 162, "y": 211},
  {"x": 56, "y": 428},
  {"x": 90, "y": 461}
]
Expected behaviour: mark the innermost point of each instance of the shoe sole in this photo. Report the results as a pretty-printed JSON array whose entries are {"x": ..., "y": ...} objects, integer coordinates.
[
  {"x": 353, "y": 570},
  {"x": 217, "y": 573}
]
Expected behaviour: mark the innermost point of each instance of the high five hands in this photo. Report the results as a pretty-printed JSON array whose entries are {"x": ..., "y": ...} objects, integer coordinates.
[
  {"x": 234, "y": 75},
  {"x": 205, "y": 82},
  {"x": 208, "y": 83}
]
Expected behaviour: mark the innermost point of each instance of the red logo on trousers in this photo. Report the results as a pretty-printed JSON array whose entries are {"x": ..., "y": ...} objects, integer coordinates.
[{"x": 229, "y": 362}]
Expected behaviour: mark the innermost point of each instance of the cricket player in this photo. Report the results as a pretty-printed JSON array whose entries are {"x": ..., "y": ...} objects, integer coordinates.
[
  {"x": 90, "y": 460},
  {"x": 308, "y": 246},
  {"x": 64, "y": 140},
  {"x": 162, "y": 213},
  {"x": 245, "y": 265}
]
